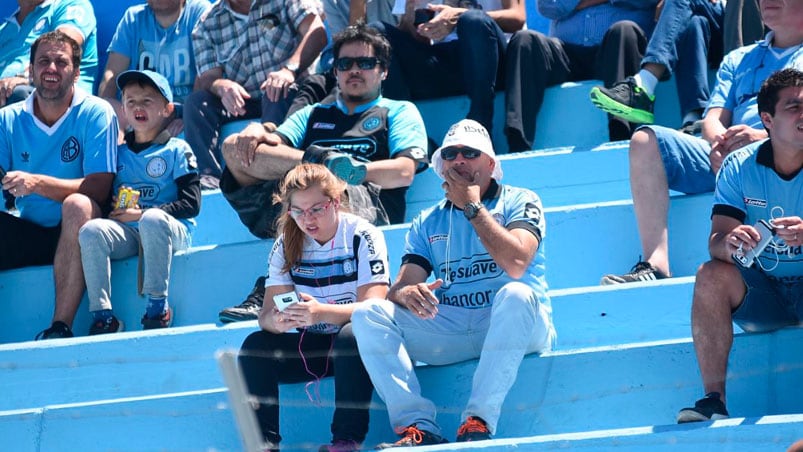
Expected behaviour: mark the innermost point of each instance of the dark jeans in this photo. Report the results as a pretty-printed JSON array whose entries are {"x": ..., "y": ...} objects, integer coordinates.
[
  {"x": 535, "y": 62},
  {"x": 204, "y": 115},
  {"x": 472, "y": 65},
  {"x": 25, "y": 244},
  {"x": 269, "y": 359}
]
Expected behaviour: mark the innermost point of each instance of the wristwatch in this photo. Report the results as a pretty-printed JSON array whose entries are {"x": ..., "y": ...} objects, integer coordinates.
[
  {"x": 471, "y": 210},
  {"x": 292, "y": 67}
]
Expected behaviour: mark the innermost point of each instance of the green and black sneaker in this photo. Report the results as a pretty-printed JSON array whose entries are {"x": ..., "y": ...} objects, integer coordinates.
[{"x": 625, "y": 100}]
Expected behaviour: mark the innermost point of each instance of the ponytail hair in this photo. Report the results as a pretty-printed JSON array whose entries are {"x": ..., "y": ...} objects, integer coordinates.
[{"x": 301, "y": 178}]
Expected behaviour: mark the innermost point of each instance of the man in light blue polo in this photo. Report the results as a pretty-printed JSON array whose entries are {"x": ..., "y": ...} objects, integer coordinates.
[
  {"x": 58, "y": 150},
  {"x": 33, "y": 18}
]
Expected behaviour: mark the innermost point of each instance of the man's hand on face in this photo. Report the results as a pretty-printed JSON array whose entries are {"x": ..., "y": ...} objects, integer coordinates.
[{"x": 461, "y": 188}]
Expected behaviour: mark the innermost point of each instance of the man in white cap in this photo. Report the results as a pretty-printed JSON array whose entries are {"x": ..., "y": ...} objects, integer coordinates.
[{"x": 488, "y": 300}]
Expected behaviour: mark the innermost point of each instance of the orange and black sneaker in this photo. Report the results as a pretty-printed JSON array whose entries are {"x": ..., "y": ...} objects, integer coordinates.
[
  {"x": 474, "y": 429},
  {"x": 412, "y": 436}
]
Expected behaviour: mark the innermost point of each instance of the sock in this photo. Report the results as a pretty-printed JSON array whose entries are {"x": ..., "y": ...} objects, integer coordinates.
[
  {"x": 692, "y": 116},
  {"x": 103, "y": 315},
  {"x": 156, "y": 307},
  {"x": 646, "y": 81}
]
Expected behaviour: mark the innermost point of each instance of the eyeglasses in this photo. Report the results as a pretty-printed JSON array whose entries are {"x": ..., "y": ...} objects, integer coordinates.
[
  {"x": 364, "y": 63},
  {"x": 450, "y": 154},
  {"x": 312, "y": 212}
]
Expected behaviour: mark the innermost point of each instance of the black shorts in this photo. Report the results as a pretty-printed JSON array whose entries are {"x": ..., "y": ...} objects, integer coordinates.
[
  {"x": 25, "y": 244},
  {"x": 253, "y": 204}
]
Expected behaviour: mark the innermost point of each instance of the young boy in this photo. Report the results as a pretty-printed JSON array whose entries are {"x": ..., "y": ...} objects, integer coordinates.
[{"x": 159, "y": 222}]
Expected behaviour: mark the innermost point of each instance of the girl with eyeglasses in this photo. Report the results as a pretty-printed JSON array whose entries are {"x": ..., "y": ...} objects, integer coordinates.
[{"x": 329, "y": 259}]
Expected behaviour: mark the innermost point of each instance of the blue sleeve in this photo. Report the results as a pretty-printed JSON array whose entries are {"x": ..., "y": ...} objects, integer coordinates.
[
  {"x": 729, "y": 191},
  {"x": 100, "y": 140},
  {"x": 557, "y": 9},
  {"x": 405, "y": 129},
  {"x": 416, "y": 242},
  {"x": 75, "y": 13},
  {"x": 723, "y": 96},
  {"x": 5, "y": 145},
  {"x": 184, "y": 159},
  {"x": 525, "y": 211},
  {"x": 123, "y": 40},
  {"x": 294, "y": 128}
]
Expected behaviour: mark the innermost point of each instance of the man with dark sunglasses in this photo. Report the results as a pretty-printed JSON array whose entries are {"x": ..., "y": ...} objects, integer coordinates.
[
  {"x": 483, "y": 245},
  {"x": 375, "y": 144}
]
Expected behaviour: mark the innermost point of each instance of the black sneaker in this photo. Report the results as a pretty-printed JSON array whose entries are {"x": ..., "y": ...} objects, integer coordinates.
[
  {"x": 474, "y": 429},
  {"x": 709, "y": 408},
  {"x": 692, "y": 127},
  {"x": 110, "y": 325},
  {"x": 57, "y": 330},
  {"x": 163, "y": 321},
  {"x": 625, "y": 100},
  {"x": 642, "y": 271},
  {"x": 248, "y": 309},
  {"x": 411, "y": 436}
]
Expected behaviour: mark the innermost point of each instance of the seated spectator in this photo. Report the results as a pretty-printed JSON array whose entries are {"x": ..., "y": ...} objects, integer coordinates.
[
  {"x": 340, "y": 14},
  {"x": 159, "y": 220},
  {"x": 663, "y": 158},
  {"x": 687, "y": 36},
  {"x": 249, "y": 55},
  {"x": 497, "y": 311},
  {"x": 742, "y": 24},
  {"x": 370, "y": 142},
  {"x": 60, "y": 150},
  {"x": 155, "y": 36},
  {"x": 32, "y": 19},
  {"x": 767, "y": 295},
  {"x": 329, "y": 261},
  {"x": 588, "y": 40},
  {"x": 449, "y": 48}
]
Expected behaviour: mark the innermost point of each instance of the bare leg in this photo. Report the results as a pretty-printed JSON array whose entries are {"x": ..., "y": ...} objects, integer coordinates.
[
  {"x": 270, "y": 162},
  {"x": 76, "y": 210},
  {"x": 650, "y": 191},
  {"x": 718, "y": 290}
]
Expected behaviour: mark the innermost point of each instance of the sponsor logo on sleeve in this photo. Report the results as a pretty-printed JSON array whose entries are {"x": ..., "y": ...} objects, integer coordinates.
[{"x": 377, "y": 267}]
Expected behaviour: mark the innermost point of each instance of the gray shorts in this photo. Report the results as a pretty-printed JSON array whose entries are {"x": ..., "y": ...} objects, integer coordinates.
[{"x": 769, "y": 304}]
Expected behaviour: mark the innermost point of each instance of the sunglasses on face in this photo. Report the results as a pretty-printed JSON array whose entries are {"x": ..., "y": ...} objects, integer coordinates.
[
  {"x": 364, "y": 63},
  {"x": 450, "y": 154}
]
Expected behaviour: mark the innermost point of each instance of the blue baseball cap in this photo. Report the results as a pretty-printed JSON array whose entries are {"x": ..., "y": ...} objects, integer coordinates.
[{"x": 151, "y": 78}]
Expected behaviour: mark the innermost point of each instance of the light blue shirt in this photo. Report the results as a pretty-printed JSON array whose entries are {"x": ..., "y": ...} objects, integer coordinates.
[
  {"x": 167, "y": 51},
  {"x": 83, "y": 141},
  {"x": 443, "y": 241},
  {"x": 587, "y": 26},
  {"x": 741, "y": 74},
  {"x": 16, "y": 39},
  {"x": 748, "y": 186}
]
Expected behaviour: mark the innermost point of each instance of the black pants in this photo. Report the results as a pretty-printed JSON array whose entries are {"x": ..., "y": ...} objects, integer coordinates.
[
  {"x": 535, "y": 62},
  {"x": 25, "y": 244},
  {"x": 269, "y": 359}
]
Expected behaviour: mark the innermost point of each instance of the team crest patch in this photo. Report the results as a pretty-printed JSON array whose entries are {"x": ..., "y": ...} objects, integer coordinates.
[
  {"x": 70, "y": 150},
  {"x": 348, "y": 267},
  {"x": 370, "y": 124},
  {"x": 377, "y": 268},
  {"x": 156, "y": 167},
  {"x": 532, "y": 212}
]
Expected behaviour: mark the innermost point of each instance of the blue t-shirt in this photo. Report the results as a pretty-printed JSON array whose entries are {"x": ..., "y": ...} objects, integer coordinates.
[
  {"x": 749, "y": 189},
  {"x": 167, "y": 51},
  {"x": 16, "y": 39},
  {"x": 741, "y": 74},
  {"x": 442, "y": 241},
  {"x": 83, "y": 141},
  {"x": 153, "y": 171}
]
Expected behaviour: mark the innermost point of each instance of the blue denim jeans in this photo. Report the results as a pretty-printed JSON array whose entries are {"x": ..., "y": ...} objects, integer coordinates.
[
  {"x": 471, "y": 65},
  {"x": 686, "y": 33}
]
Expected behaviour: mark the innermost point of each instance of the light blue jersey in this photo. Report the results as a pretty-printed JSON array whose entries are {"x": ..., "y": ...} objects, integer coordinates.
[
  {"x": 442, "y": 241},
  {"x": 741, "y": 74},
  {"x": 749, "y": 189},
  {"x": 83, "y": 141},
  {"x": 166, "y": 51},
  {"x": 16, "y": 39},
  {"x": 153, "y": 171}
]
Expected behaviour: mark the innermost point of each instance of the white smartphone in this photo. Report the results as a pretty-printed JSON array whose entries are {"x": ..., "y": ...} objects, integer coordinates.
[
  {"x": 746, "y": 258},
  {"x": 283, "y": 300}
]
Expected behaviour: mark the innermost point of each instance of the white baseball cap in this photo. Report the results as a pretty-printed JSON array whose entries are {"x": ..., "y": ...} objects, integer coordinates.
[{"x": 468, "y": 134}]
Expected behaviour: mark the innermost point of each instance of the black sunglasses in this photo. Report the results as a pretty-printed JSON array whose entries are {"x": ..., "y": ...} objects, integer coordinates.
[
  {"x": 364, "y": 63},
  {"x": 450, "y": 154}
]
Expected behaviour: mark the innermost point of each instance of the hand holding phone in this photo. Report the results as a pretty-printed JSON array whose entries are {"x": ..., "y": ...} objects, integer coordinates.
[
  {"x": 745, "y": 258},
  {"x": 283, "y": 300}
]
